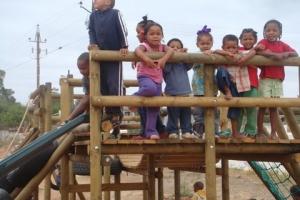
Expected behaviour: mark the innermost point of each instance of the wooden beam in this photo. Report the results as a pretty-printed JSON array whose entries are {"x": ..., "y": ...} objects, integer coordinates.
[
  {"x": 292, "y": 122},
  {"x": 110, "y": 187},
  {"x": 225, "y": 180},
  {"x": 95, "y": 136},
  {"x": 100, "y": 55},
  {"x": 151, "y": 177},
  {"x": 193, "y": 101},
  {"x": 210, "y": 146},
  {"x": 48, "y": 127},
  {"x": 177, "y": 184},
  {"x": 225, "y": 148}
]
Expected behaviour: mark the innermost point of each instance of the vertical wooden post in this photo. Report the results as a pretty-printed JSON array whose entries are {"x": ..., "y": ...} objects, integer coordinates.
[
  {"x": 66, "y": 99},
  {"x": 48, "y": 127},
  {"x": 280, "y": 128},
  {"x": 225, "y": 180},
  {"x": 292, "y": 122},
  {"x": 145, "y": 193},
  {"x": 210, "y": 148},
  {"x": 177, "y": 184},
  {"x": 106, "y": 172},
  {"x": 117, "y": 192},
  {"x": 95, "y": 134},
  {"x": 160, "y": 184},
  {"x": 151, "y": 177}
]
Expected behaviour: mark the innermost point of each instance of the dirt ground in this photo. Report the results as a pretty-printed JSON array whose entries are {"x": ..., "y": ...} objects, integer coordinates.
[{"x": 244, "y": 185}]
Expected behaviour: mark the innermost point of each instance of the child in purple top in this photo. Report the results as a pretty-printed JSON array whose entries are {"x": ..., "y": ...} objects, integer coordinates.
[{"x": 150, "y": 72}]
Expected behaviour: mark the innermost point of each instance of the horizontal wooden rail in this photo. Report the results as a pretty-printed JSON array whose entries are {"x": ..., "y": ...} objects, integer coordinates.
[
  {"x": 78, "y": 82},
  {"x": 194, "y": 101},
  {"x": 75, "y": 82},
  {"x": 110, "y": 187},
  {"x": 75, "y": 96},
  {"x": 101, "y": 55},
  {"x": 198, "y": 148}
]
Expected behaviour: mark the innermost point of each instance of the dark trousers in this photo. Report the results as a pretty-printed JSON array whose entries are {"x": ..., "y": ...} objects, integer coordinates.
[
  {"x": 223, "y": 79},
  {"x": 111, "y": 83},
  {"x": 181, "y": 115}
]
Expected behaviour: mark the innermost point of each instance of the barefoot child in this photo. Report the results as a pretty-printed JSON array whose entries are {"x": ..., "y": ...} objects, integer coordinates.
[
  {"x": 141, "y": 110},
  {"x": 149, "y": 72},
  {"x": 248, "y": 38},
  {"x": 177, "y": 84},
  {"x": 271, "y": 77},
  {"x": 232, "y": 80}
]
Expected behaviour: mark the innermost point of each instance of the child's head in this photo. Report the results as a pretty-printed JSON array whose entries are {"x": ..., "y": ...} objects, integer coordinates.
[
  {"x": 272, "y": 30},
  {"x": 103, "y": 4},
  {"x": 175, "y": 44},
  {"x": 230, "y": 44},
  {"x": 248, "y": 38},
  {"x": 198, "y": 186},
  {"x": 83, "y": 63},
  {"x": 204, "y": 39},
  {"x": 153, "y": 33},
  {"x": 140, "y": 28}
]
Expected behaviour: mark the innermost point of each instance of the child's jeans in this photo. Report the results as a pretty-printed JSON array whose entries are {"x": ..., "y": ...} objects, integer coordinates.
[
  {"x": 181, "y": 114},
  {"x": 223, "y": 79}
]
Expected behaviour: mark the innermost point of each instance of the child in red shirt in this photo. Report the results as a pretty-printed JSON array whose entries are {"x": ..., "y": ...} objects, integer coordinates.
[
  {"x": 248, "y": 38},
  {"x": 271, "y": 77}
]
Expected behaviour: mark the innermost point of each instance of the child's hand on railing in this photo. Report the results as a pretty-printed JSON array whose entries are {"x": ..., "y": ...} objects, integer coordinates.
[
  {"x": 93, "y": 47},
  {"x": 124, "y": 51}
]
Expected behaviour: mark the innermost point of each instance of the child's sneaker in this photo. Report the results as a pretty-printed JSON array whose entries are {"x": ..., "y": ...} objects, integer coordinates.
[
  {"x": 188, "y": 136},
  {"x": 173, "y": 136}
]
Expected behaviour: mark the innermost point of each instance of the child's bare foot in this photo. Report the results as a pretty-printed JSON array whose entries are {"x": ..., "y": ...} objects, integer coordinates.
[
  {"x": 154, "y": 137},
  {"x": 274, "y": 137},
  {"x": 238, "y": 136},
  {"x": 260, "y": 137}
]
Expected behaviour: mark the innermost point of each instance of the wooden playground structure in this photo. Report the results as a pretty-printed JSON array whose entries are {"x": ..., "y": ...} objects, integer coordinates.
[{"x": 90, "y": 143}]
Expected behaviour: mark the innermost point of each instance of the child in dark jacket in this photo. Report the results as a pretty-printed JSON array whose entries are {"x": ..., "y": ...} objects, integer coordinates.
[{"x": 108, "y": 32}]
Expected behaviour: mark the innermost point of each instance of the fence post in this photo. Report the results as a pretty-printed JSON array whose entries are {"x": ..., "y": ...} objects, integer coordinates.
[
  {"x": 210, "y": 148},
  {"x": 95, "y": 134}
]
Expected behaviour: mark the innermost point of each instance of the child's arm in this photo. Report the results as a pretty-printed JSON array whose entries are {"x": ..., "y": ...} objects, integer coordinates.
[
  {"x": 123, "y": 34},
  {"x": 140, "y": 52},
  {"x": 162, "y": 61},
  {"x": 224, "y": 53},
  {"x": 247, "y": 56},
  {"x": 229, "y": 55},
  {"x": 92, "y": 33}
]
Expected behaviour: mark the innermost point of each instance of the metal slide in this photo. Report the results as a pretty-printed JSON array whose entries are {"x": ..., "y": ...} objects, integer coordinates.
[{"x": 13, "y": 161}]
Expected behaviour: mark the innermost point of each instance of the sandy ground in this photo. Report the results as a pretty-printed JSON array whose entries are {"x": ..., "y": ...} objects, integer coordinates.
[{"x": 244, "y": 185}]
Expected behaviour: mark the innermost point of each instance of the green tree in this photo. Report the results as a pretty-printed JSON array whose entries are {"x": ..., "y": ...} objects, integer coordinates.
[{"x": 11, "y": 112}]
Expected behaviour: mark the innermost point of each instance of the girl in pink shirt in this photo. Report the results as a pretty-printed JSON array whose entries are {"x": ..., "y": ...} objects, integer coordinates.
[{"x": 149, "y": 72}]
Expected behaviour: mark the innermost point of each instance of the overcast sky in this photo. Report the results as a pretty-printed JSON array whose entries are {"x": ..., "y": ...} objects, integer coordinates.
[{"x": 62, "y": 23}]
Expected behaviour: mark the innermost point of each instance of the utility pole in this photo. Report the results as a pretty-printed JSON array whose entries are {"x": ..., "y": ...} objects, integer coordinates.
[{"x": 38, "y": 41}]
